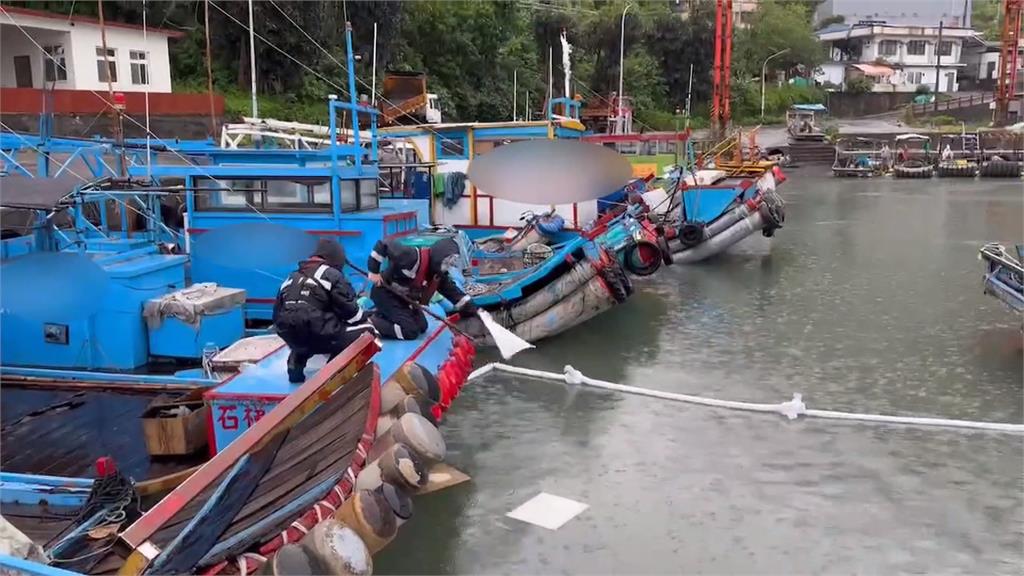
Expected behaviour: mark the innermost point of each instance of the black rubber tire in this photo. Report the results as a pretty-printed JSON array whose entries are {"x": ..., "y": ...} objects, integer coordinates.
[
  {"x": 666, "y": 250},
  {"x": 1001, "y": 169},
  {"x": 616, "y": 279},
  {"x": 631, "y": 259},
  {"x": 691, "y": 234}
]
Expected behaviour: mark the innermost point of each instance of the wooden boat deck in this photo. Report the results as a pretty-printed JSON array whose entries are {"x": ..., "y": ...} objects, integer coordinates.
[{"x": 62, "y": 433}]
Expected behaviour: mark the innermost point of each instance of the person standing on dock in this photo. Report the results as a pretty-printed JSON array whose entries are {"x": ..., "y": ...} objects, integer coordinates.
[
  {"x": 412, "y": 275},
  {"x": 316, "y": 310},
  {"x": 886, "y": 157}
]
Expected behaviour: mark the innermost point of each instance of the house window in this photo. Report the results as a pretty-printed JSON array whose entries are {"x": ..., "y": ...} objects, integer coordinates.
[
  {"x": 106, "y": 64},
  {"x": 946, "y": 48},
  {"x": 140, "y": 66},
  {"x": 915, "y": 78},
  {"x": 54, "y": 69},
  {"x": 888, "y": 47},
  {"x": 917, "y": 47},
  {"x": 451, "y": 146}
]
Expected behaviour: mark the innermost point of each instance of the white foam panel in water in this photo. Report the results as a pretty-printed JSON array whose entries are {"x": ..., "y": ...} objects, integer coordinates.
[{"x": 548, "y": 511}]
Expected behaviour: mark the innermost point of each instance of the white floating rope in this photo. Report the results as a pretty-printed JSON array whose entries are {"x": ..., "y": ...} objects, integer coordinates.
[{"x": 791, "y": 409}]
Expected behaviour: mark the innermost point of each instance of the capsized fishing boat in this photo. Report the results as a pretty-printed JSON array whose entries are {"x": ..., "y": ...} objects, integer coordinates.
[
  {"x": 709, "y": 218},
  {"x": 858, "y": 158},
  {"x": 1004, "y": 278},
  {"x": 148, "y": 421},
  {"x": 535, "y": 289}
]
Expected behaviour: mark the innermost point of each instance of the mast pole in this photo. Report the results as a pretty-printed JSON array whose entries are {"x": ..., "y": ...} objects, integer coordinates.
[
  {"x": 252, "y": 64},
  {"x": 209, "y": 70}
]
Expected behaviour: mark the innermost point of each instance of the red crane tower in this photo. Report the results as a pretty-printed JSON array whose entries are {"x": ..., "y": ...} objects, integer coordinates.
[{"x": 1006, "y": 85}]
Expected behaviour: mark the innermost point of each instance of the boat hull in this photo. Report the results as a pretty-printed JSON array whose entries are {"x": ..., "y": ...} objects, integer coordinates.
[{"x": 732, "y": 227}]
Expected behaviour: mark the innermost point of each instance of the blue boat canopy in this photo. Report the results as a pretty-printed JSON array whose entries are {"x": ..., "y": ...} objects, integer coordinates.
[{"x": 809, "y": 107}]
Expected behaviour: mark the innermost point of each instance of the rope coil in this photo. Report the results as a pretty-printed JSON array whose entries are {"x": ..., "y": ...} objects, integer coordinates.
[{"x": 791, "y": 409}]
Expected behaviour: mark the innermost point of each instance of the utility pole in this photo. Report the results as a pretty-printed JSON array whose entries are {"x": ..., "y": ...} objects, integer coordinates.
[
  {"x": 689, "y": 94},
  {"x": 938, "y": 68}
]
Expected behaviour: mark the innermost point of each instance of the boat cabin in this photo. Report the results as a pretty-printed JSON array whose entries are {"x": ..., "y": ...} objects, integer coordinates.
[
  {"x": 803, "y": 121},
  {"x": 449, "y": 148}
]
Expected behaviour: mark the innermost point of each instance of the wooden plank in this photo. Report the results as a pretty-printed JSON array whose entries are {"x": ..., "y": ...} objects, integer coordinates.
[
  {"x": 291, "y": 410},
  {"x": 239, "y": 542},
  {"x": 327, "y": 412},
  {"x": 164, "y": 483},
  {"x": 192, "y": 543},
  {"x": 246, "y": 532}
]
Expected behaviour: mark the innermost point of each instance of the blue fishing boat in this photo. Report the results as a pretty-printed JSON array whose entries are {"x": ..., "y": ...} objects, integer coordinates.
[
  {"x": 148, "y": 421},
  {"x": 1004, "y": 278}
]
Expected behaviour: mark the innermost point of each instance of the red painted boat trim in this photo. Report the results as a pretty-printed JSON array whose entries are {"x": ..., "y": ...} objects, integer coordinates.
[{"x": 286, "y": 414}]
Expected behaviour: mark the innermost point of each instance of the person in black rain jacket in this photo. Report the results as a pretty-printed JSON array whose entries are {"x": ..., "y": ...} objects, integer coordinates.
[
  {"x": 316, "y": 310},
  {"x": 415, "y": 273}
]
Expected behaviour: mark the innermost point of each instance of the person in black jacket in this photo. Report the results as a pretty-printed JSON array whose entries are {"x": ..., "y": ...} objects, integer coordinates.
[
  {"x": 415, "y": 273},
  {"x": 316, "y": 310}
]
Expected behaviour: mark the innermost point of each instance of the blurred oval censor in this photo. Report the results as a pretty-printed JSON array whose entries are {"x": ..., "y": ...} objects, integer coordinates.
[{"x": 550, "y": 171}]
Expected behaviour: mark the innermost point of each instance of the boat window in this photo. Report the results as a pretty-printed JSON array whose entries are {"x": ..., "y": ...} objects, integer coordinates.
[
  {"x": 349, "y": 199},
  {"x": 286, "y": 193},
  {"x": 322, "y": 192},
  {"x": 368, "y": 194},
  {"x": 274, "y": 194},
  {"x": 451, "y": 146},
  {"x": 212, "y": 194}
]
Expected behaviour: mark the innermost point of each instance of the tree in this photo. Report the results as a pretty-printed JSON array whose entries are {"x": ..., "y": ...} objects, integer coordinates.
[
  {"x": 826, "y": 22},
  {"x": 777, "y": 25},
  {"x": 859, "y": 85},
  {"x": 986, "y": 17}
]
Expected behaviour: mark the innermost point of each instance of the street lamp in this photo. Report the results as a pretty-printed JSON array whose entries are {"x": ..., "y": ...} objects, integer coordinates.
[
  {"x": 764, "y": 71},
  {"x": 622, "y": 62}
]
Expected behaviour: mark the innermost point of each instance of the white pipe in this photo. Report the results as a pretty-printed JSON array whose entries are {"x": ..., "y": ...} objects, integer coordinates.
[
  {"x": 792, "y": 409},
  {"x": 551, "y": 73},
  {"x": 252, "y": 63},
  {"x": 373, "y": 81},
  {"x": 515, "y": 93}
]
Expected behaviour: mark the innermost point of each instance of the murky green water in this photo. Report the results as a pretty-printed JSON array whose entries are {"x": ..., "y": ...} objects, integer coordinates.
[{"x": 868, "y": 300}]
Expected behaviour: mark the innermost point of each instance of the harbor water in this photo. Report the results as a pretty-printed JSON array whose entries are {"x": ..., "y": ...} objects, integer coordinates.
[{"x": 868, "y": 300}]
